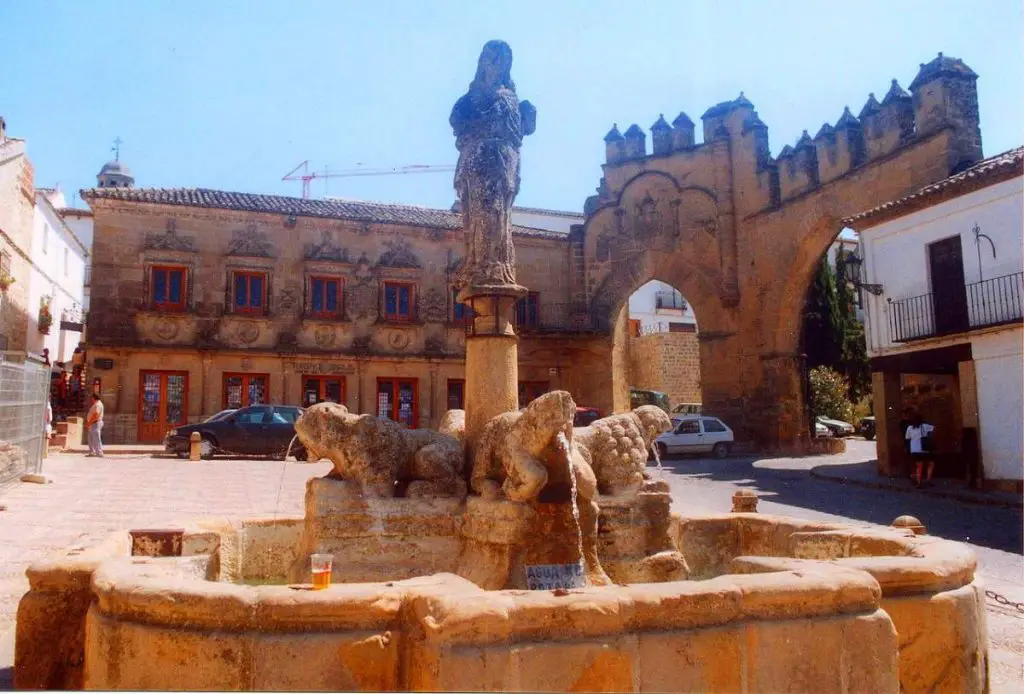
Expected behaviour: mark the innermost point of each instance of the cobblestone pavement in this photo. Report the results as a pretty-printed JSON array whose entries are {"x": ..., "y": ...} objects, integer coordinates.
[{"x": 91, "y": 498}]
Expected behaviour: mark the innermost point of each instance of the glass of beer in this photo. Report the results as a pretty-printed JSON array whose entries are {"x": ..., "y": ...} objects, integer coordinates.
[{"x": 321, "y": 569}]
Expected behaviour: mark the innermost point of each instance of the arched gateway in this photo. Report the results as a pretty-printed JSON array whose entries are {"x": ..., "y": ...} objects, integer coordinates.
[{"x": 740, "y": 233}]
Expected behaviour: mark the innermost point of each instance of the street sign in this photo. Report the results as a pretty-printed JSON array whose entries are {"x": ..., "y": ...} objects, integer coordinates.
[{"x": 555, "y": 576}]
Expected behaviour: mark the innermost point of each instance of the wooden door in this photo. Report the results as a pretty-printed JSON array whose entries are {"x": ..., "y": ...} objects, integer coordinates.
[
  {"x": 949, "y": 291},
  {"x": 398, "y": 400},
  {"x": 323, "y": 388},
  {"x": 163, "y": 403}
]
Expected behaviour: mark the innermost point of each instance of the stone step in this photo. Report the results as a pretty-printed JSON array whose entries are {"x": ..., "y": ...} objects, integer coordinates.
[
  {"x": 59, "y": 441},
  {"x": 62, "y": 427}
]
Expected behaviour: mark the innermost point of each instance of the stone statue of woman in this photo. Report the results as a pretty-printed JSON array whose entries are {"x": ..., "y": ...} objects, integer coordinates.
[{"x": 489, "y": 123}]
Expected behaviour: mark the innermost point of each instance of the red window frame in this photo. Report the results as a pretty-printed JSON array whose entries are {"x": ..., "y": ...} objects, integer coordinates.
[
  {"x": 247, "y": 379},
  {"x": 249, "y": 275},
  {"x": 396, "y": 383},
  {"x": 321, "y": 387},
  {"x": 396, "y": 315},
  {"x": 167, "y": 304},
  {"x": 324, "y": 312}
]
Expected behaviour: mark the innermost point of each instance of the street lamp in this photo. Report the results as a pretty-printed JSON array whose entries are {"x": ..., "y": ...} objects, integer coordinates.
[{"x": 855, "y": 262}]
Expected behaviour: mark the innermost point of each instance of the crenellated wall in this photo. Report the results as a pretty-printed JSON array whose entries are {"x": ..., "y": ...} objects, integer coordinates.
[{"x": 739, "y": 231}]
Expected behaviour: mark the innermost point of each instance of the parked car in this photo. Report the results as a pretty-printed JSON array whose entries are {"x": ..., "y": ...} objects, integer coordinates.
[
  {"x": 836, "y": 426},
  {"x": 586, "y": 416},
  {"x": 867, "y": 428},
  {"x": 697, "y": 434},
  {"x": 255, "y": 430},
  {"x": 639, "y": 397},
  {"x": 821, "y": 431},
  {"x": 685, "y": 408}
]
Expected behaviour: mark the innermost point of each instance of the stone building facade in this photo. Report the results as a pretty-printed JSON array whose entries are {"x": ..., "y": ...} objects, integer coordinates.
[
  {"x": 17, "y": 212},
  {"x": 203, "y": 300}
]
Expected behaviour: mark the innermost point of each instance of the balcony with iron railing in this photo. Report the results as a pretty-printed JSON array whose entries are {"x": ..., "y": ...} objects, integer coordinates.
[
  {"x": 983, "y": 304},
  {"x": 670, "y": 300},
  {"x": 567, "y": 318}
]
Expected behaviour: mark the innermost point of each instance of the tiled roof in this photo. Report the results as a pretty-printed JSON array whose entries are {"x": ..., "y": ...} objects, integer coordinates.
[
  {"x": 374, "y": 212},
  {"x": 74, "y": 211},
  {"x": 550, "y": 213},
  {"x": 985, "y": 173}
]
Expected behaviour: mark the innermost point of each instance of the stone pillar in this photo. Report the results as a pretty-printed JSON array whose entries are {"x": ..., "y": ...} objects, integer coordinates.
[
  {"x": 885, "y": 387},
  {"x": 492, "y": 360}
]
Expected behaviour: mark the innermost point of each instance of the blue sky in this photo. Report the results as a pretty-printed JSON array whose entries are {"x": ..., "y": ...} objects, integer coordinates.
[{"x": 233, "y": 95}]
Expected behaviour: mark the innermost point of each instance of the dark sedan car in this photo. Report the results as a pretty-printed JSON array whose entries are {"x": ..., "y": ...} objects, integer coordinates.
[
  {"x": 256, "y": 430},
  {"x": 867, "y": 428}
]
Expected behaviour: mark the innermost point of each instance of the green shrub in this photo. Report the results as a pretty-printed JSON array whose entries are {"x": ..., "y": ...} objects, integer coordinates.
[{"x": 829, "y": 394}]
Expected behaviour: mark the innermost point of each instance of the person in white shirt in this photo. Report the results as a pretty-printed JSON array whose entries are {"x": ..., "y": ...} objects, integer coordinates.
[
  {"x": 919, "y": 434},
  {"x": 94, "y": 423}
]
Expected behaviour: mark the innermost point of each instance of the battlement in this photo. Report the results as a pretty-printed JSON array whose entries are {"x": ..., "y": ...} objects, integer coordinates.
[{"x": 942, "y": 95}]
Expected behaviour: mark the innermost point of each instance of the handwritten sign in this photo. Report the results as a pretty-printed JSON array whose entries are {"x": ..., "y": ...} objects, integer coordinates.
[{"x": 554, "y": 576}]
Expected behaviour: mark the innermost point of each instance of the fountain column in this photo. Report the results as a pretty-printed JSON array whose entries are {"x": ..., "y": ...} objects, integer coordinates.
[{"x": 489, "y": 123}]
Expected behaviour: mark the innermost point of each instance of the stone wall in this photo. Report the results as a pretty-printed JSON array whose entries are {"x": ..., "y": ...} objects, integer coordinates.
[{"x": 667, "y": 362}]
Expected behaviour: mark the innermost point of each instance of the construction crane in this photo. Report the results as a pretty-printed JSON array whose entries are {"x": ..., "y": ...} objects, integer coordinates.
[{"x": 307, "y": 177}]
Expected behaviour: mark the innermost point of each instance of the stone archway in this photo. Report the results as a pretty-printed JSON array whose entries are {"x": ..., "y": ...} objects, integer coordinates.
[{"x": 740, "y": 232}]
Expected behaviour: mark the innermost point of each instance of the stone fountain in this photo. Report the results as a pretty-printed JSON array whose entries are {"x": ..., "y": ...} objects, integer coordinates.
[{"x": 507, "y": 551}]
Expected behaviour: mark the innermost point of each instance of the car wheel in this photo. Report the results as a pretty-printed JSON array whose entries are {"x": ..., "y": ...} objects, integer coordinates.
[
  {"x": 182, "y": 455},
  {"x": 721, "y": 450},
  {"x": 206, "y": 449},
  {"x": 298, "y": 452},
  {"x": 870, "y": 436},
  {"x": 662, "y": 450}
]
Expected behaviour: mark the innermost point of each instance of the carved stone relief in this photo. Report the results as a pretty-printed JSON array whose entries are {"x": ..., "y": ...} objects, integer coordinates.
[
  {"x": 247, "y": 332},
  {"x": 398, "y": 254},
  {"x": 398, "y": 339},
  {"x": 327, "y": 249},
  {"x": 433, "y": 306},
  {"x": 324, "y": 336},
  {"x": 166, "y": 328},
  {"x": 289, "y": 299},
  {"x": 169, "y": 240},
  {"x": 250, "y": 242}
]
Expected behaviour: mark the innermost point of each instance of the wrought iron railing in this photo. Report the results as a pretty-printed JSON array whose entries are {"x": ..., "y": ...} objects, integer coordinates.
[
  {"x": 563, "y": 318},
  {"x": 669, "y": 300},
  {"x": 988, "y": 303}
]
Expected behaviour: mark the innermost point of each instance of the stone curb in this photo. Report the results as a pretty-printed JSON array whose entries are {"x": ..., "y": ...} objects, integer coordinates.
[{"x": 819, "y": 473}]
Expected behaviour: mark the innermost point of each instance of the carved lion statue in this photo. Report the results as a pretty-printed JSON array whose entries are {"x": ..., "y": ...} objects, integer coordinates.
[
  {"x": 381, "y": 455},
  {"x": 520, "y": 455},
  {"x": 617, "y": 446}
]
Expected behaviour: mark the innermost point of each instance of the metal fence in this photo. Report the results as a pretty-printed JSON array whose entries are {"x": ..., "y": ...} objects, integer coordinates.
[
  {"x": 991, "y": 302},
  {"x": 24, "y": 388}
]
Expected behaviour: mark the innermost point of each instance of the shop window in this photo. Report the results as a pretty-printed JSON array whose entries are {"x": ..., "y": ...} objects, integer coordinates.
[
  {"x": 399, "y": 301},
  {"x": 456, "y": 394},
  {"x": 243, "y": 390},
  {"x": 323, "y": 389},
  {"x": 325, "y": 296},
  {"x": 167, "y": 288},
  {"x": 528, "y": 311},
  {"x": 397, "y": 400},
  {"x": 249, "y": 292},
  {"x": 530, "y": 391}
]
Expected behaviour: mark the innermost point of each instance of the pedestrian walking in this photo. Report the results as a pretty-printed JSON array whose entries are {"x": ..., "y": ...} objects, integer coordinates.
[
  {"x": 919, "y": 436},
  {"x": 94, "y": 423}
]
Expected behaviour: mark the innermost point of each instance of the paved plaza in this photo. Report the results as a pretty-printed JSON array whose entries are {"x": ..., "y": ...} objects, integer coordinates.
[{"x": 90, "y": 498}]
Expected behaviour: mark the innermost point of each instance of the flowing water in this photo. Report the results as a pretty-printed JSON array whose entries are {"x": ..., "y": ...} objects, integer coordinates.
[
  {"x": 657, "y": 459},
  {"x": 566, "y": 448},
  {"x": 284, "y": 468}
]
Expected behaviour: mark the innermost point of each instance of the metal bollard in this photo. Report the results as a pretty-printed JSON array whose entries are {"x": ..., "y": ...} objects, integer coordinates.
[{"x": 194, "y": 441}]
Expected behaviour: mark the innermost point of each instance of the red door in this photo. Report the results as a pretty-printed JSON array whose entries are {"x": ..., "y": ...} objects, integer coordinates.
[
  {"x": 243, "y": 390},
  {"x": 397, "y": 399},
  {"x": 322, "y": 388},
  {"x": 163, "y": 403}
]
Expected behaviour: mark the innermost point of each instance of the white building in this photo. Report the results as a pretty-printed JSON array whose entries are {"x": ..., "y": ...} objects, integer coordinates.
[
  {"x": 944, "y": 332},
  {"x": 657, "y": 307},
  {"x": 57, "y": 278}
]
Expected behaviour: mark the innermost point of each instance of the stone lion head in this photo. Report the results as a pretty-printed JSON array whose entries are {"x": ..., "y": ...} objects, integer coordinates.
[{"x": 653, "y": 422}]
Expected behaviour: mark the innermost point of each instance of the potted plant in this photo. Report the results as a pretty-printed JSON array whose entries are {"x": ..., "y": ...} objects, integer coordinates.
[
  {"x": 5, "y": 280},
  {"x": 45, "y": 319}
]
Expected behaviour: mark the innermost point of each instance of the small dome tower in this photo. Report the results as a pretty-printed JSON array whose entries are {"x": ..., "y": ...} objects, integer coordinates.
[{"x": 115, "y": 174}]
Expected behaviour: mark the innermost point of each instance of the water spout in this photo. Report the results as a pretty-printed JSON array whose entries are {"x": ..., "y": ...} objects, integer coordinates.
[
  {"x": 657, "y": 460},
  {"x": 566, "y": 449},
  {"x": 288, "y": 451}
]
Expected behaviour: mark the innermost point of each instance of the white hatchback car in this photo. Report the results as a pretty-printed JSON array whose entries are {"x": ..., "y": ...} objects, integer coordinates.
[{"x": 696, "y": 434}]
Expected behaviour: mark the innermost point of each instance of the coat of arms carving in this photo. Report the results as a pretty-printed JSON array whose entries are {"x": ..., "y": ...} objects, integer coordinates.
[
  {"x": 250, "y": 242},
  {"x": 433, "y": 306},
  {"x": 327, "y": 249},
  {"x": 398, "y": 254}
]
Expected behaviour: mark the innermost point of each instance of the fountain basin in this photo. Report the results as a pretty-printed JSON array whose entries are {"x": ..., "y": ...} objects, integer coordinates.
[{"x": 772, "y": 604}]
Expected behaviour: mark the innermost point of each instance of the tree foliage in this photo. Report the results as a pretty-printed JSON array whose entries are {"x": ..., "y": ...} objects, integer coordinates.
[
  {"x": 829, "y": 394},
  {"x": 832, "y": 335}
]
